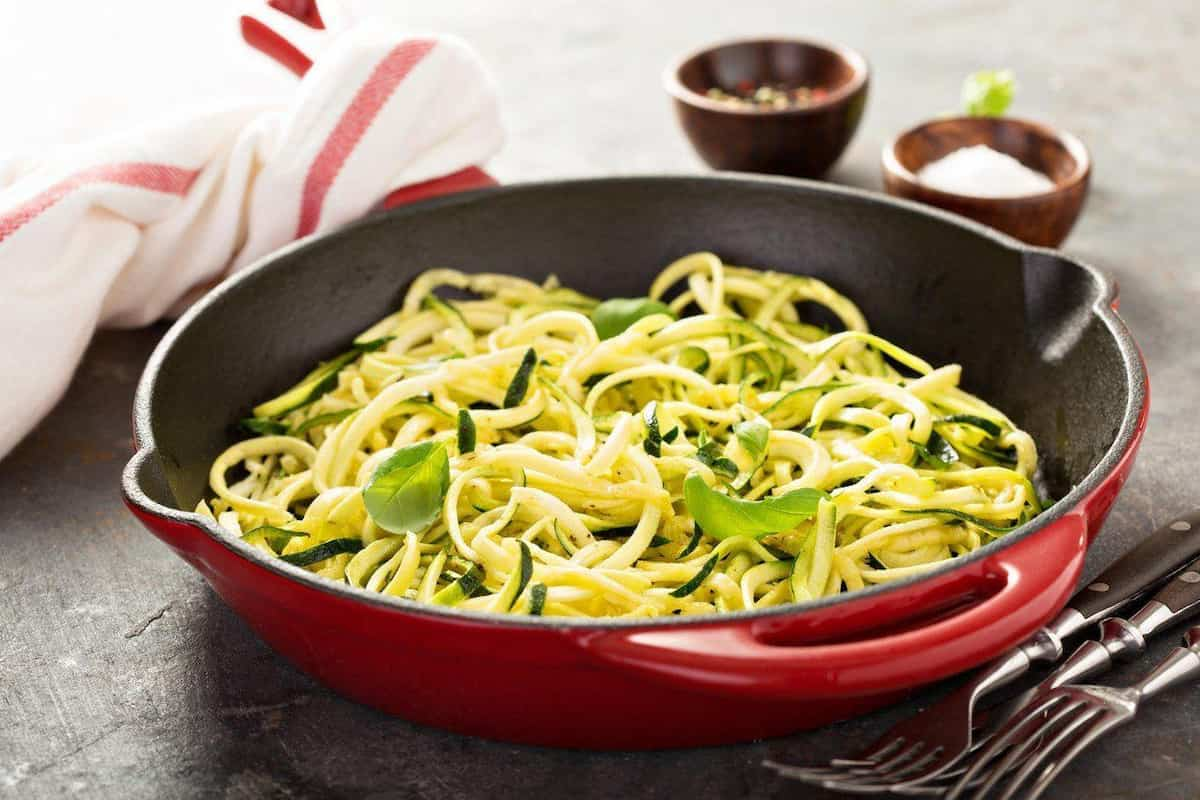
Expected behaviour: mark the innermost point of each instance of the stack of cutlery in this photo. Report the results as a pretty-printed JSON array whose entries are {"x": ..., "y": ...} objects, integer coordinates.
[{"x": 967, "y": 747}]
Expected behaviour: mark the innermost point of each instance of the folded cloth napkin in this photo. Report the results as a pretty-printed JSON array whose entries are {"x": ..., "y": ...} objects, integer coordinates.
[{"x": 124, "y": 231}]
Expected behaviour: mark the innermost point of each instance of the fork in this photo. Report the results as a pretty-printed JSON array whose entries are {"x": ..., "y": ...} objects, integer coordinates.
[
  {"x": 930, "y": 744},
  {"x": 1177, "y": 601},
  {"x": 1053, "y": 731}
]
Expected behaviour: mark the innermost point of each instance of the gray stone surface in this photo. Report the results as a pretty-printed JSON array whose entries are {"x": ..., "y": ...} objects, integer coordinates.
[{"x": 122, "y": 674}]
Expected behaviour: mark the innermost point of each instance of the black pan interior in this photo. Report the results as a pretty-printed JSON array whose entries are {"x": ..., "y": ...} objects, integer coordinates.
[{"x": 1021, "y": 322}]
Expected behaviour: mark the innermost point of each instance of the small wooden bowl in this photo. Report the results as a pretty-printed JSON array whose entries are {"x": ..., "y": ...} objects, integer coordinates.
[
  {"x": 791, "y": 141},
  {"x": 1040, "y": 219}
]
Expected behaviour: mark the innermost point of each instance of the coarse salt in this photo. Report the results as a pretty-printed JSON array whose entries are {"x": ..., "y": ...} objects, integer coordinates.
[{"x": 983, "y": 172}]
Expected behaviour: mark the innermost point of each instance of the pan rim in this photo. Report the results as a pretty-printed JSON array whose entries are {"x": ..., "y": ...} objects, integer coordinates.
[{"x": 1136, "y": 408}]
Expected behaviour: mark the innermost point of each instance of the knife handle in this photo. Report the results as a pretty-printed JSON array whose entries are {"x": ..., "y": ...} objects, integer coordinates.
[
  {"x": 1125, "y": 638},
  {"x": 1164, "y": 553},
  {"x": 1182, "y": 594}
]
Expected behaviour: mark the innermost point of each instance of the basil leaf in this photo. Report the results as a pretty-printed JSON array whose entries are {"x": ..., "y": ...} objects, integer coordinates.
[
  {"x": 752, "y": 435},
  {"x": 520, "y": 382},
  {"x": 405, "y": 493},
  {"x": 614, "y": 316},
  {"x": 653, "y": 441},
  {"x": 466, "y": 432},
  {"x": 988, "y": 93},
  {"x": 671, "y": 435},
  {"x": 722, "y": 516}
]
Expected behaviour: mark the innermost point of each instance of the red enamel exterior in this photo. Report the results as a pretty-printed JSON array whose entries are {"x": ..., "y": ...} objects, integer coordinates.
[{"x": 706, "y": 684}]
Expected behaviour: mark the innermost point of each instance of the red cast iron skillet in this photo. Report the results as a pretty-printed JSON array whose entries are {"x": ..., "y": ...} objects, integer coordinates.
[{"x": 1035, "y": 332}]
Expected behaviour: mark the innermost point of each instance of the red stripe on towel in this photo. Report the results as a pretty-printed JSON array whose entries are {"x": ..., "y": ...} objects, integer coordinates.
[
  {"x": 154, "y": 177},
  {"x": 355, "y": 120}
]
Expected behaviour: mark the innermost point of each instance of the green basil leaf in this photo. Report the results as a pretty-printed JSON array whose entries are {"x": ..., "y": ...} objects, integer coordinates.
[
  {"x": 613, "y": 317},
  {"x": 671, "y": 435},
  {"x": 466, "y": 432},
  {"x": 752, "y": 435},
  {"x": 722, "y": 516},
  {"x": 520, "y": 382},
  {"x": 988, "y": 93},
  {"x": 405, "y": 493}
]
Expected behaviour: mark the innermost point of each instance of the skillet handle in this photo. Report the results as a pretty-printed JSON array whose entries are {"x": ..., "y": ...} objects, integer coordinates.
[
  {"x": 267, "y": 40},
  {"x": 1036, "y": 576},
  {"x": 142, "y": 481},
  {"x": 464, "y": 180}
]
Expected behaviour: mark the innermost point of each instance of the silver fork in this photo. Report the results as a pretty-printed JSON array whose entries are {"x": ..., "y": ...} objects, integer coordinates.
[
  {"x": 931, "y": 744},
  {"x": 1177, "y": 601},
  {"x": 1053, "y": 731}
]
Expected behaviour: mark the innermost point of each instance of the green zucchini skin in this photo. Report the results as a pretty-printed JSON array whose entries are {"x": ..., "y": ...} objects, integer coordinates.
[
  {"x": 315, "y": 383},
  {"x": 698, "y": 578},
  {"x": 466, "y": 431},
  {"x": 537, "y": 599},
  {"x": 461, "y": 589},
  {"x": 653, "y": 441},
  {"x": 519, "y": 386},
  {"x": 331, "y": 418},
  {"x": 323, "y": 551},
  {"x": 273, "y": 537},
  {"x": 697, "y": 535},
  {"x": 693, "y": 358}
]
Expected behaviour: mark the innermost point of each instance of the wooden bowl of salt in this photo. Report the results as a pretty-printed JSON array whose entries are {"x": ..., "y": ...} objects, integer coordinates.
[{"x": 1020, "y": 177}]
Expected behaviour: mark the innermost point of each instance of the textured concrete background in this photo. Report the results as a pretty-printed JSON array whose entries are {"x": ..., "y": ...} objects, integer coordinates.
[{"x": 122, "y": 674}]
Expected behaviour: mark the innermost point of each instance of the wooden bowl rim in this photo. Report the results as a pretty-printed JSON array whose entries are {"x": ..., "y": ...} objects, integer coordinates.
[
  {"x": 860, "y": 70},
  {"x": 1069, "y": 141}
]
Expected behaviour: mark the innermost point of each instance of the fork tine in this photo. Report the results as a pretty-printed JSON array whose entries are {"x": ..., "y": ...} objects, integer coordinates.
[
  {"x": 883, "y": 777},
  {"x": 1098, "y": 729},
  {"x": 813, "y": 775},
  {"x": 1023, "y": 725},
  {"x": 1091, "y": 716},
  {"x": 839, "y": 767},
  {"x": 897, "y": 761},
  {"x": 1028, "y": 747}
]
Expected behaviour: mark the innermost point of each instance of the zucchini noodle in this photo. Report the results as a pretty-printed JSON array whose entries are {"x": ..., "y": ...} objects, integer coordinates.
[{"x": 568, "y": 452}]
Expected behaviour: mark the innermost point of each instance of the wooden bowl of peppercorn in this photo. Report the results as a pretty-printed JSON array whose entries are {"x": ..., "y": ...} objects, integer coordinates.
[{"x": 783, "y": 106}]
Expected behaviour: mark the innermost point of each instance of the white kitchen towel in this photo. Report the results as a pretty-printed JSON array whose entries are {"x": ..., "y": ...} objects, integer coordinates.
[{"x": 123, "y": 231}]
